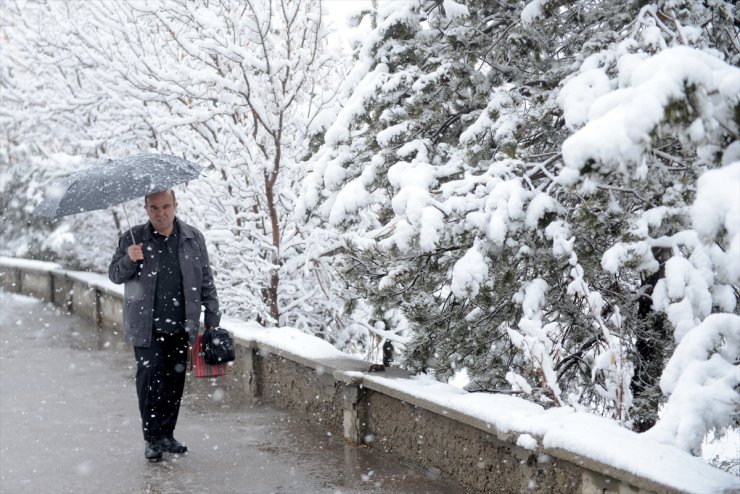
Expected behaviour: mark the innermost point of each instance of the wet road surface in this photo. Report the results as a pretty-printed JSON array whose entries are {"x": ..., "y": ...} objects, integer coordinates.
[{"x": 69, "y": 423}]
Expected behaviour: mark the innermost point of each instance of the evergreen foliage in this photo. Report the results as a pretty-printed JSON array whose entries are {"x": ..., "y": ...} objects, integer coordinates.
[{"x": 512, "y": 178}]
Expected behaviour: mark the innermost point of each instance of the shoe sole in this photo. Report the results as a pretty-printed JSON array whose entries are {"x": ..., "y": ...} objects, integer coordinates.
[{"x": 176, "y": 451}]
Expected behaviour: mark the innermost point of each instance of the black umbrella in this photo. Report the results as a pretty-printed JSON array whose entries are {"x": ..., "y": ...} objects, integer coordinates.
[{"x": 114, "y": 182}]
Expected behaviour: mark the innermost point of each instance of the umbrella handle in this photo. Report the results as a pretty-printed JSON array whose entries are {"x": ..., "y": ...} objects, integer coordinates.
[{"x": 129, "y": 224}]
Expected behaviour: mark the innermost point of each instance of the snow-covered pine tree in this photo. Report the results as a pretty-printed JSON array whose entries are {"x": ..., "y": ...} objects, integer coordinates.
[
  {"x": 645, "y": 140},
  {"x": 664, "y": 119},
  {"x": 447, "y": 170},
  {"x": 424, "y": 167}
]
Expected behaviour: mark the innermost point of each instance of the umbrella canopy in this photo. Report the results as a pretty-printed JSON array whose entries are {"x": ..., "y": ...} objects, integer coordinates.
[{"x": 113, "y": 182}]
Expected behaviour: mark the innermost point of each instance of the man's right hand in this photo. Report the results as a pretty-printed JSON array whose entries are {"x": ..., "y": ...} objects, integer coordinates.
[{"x": 136, "y": 252}]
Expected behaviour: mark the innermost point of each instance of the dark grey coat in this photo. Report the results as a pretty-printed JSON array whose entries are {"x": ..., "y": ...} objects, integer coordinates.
[{"x": 141, "y": 279}]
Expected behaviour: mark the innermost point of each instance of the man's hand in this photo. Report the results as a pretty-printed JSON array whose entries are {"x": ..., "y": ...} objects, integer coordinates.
[{"x": 136, "y": 252}]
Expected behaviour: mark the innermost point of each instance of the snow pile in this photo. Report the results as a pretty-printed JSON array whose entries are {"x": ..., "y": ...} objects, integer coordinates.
[{"x": 290, "y": 340}]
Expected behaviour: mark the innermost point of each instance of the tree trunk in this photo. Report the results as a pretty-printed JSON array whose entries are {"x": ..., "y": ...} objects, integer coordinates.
[
  {"x": 272, "y": 289},
  {"x": 650, "y": 346}
]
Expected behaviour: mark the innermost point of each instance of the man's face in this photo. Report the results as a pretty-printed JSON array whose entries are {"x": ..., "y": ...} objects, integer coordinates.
[{"x": 161, "y": 210}]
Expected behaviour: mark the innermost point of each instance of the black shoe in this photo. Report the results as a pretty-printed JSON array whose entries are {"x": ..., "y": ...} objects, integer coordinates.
[
  {"x": 153, "y": 451},
  {"x": 171, "y": 445}
]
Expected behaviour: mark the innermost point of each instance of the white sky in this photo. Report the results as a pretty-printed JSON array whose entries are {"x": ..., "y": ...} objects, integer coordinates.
[
  {"x": 342, "y": 8},
  {"x": 339, "y": 11}
]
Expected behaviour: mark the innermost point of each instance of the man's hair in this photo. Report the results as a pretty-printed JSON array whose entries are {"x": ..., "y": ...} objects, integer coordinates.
[{"x": 171, "y": 191}]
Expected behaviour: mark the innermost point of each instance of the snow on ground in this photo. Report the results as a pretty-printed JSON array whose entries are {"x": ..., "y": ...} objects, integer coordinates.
[{"x": 580, "y": 433}]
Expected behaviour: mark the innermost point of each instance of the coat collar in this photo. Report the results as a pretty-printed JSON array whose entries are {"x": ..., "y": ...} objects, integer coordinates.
[{"x": 185, "y": 230}]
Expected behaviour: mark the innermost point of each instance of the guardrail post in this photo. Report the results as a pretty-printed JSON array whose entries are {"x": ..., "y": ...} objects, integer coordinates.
[
  {"x": 354, "y": 411},
  {"x": 247, "y": 371}
]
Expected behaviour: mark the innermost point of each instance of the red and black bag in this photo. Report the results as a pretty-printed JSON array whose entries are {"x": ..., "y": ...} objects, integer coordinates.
[{"x": 198, "y": 363}]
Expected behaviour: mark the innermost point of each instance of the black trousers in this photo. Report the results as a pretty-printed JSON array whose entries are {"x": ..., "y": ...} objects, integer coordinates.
[{"x": 160, "y": 380}]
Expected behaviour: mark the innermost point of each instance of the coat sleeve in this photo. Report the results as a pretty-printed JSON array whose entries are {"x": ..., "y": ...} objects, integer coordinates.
[
  {"x": 121, "y": 268},
  {"x": 208, "y": 295}
]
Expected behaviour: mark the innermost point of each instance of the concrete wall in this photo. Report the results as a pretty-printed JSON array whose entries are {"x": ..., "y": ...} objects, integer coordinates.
[
  {"x": 459, "y": 450},
  {"x": 37, "y": 284},
  {"x": 110, "y": 311},
  {"x": 63, "y": 290},
  {"x": 334, "y": 395},
  {"x": 85, "y": 300},
  {"x": 10, "y": 279}
]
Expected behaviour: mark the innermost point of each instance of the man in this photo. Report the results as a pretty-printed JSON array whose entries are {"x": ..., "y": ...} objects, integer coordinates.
[{"x": 167, "y": 278}]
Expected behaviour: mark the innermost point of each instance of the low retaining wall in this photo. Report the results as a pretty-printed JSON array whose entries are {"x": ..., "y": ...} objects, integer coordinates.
[{"x": 338, "y": 394}]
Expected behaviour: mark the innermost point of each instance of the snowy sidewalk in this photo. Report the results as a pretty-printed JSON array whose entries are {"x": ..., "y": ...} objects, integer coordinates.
[{"x": 69, "y": 423}]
